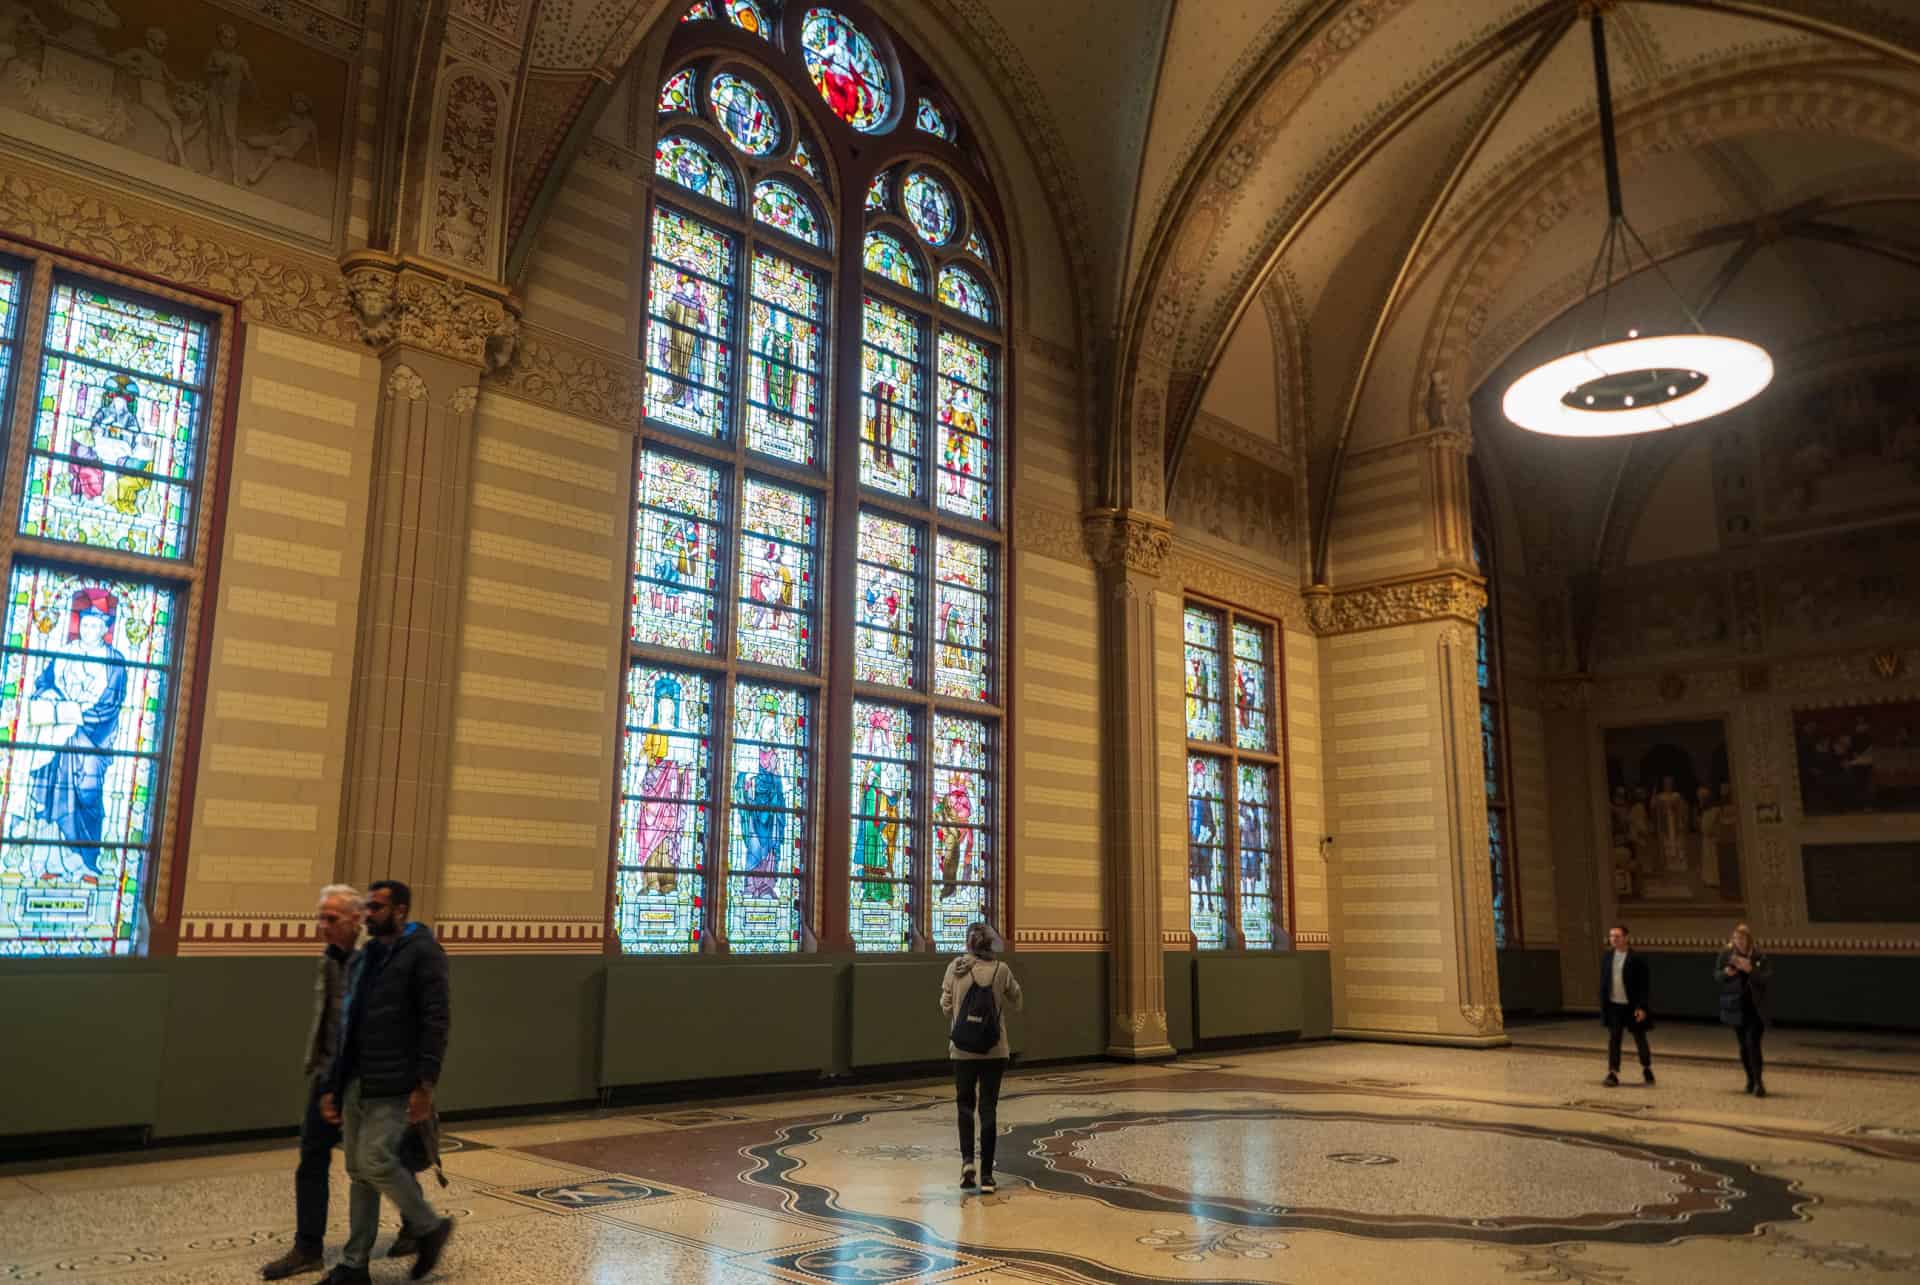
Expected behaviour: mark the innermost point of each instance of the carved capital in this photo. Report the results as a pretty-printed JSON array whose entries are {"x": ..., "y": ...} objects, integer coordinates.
[
  {"x": 399, "y": 301},
  {"x": 1450, "y": 596},
  {"x": 405, "y": 383},
  {"x": 1124, "y": 537}
]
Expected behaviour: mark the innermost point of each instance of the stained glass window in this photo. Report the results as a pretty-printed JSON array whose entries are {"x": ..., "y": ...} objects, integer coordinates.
[
  {"x": 1493, "y": 726},
  {"x": 1206, "y": 850},
  {"x": 886, "y": 257},
  {"x": 785, "y": 351},
  {"x": 745, "y": 114},
  {"x": 778, "y": 539},
  {"x": 930, "y": 207},
  {"x": 690, "y": 324},
  {"x": 963, "y": 292},
  {"x": 885, "y": 816},
  {"x": 779, "y": 206},
  {"x": 1497, "y": 863},
  {"x": 1204, "y": 721},
  {"x": 768, "y": 850},
  {"x": 745, "y": 14},
  {"x": 962, "y": 827},
  {"x": 9, "y": 313},
  {"x": 694, "y": 166},
  {"x": 660, "y": 890},
  {"x": 887, "y": 605},
  {"x": 1490, "y": 749},
  {"x": 804, "y": 162},
  {"x": 846, "y": 69},
  {"x": 117, "y": 424},
  {"x": 879, "y": 192},
  {"x": 677, "y": 94},
  {"x": 701, "y": 9},
  {"x": 966, "y": 427},
  {"x": 1254, "y": 802},
  {"x": 892, "y": 393},
  {"x": 977, "y": 247},
  {"x": 962, "y": 619},
  {"x": 929, "y": 119},
  {"x": 85, "y": 706},
  {"x": 676, "y": 552},
  {"x": 1252, "y": 728}
]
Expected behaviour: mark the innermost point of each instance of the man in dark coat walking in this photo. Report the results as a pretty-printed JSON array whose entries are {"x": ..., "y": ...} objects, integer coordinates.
[{"x": 1625, "y": 1002}]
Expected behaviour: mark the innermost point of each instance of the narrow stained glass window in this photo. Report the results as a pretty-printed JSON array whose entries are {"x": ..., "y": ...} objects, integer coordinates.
[
  {"x": 779, "y": 206},
  {"x": 777, "y": 543},
  {"x": 930, "y": 208},
  {"x": 677, "y": 94},
  {"x": 886, "y": 257},
  {"x": 1206, "y": 850},
  {"x": 768, "y": 851},
  {"x": 690, "y": 324},
  {"x": 676, "y": 559},
  {"x": 1255, "y": 803},
  {"x": 1490, "y": 749},
  {"x": 9, "y": 316},
  {"x": 784, "y": 342},
  {"x": 929, "y": 119},
  {"x": 86, "y": 708},
  {"x": 660, "y": 896},
  {"x": 892, "y": 393},
  {"x": 977, "y": 247},
  {"x": 1204, "y": 721},
  {"x": 885, "y": 822},
  {"x": 117, "y": 424},
  {"x": 694, "y": 166},
  {"x": 746, "y": 114},
  {"x": 962, "y": 625},
  {"x": 1252, "y": 720},
  {"x": 887, "y": 609},
  {"x": 1497, "y": 859},
  {"x": 962, "y": 827},
  {"x": 846, "y": 69},
  {"x": 963, "y": 292},
  {"x": 966, "y": 427}
]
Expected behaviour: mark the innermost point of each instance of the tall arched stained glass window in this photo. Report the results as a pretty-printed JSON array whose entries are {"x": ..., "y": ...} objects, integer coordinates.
[
  {"x": 812, "y": 722},
  {"x": 1489, "y": 661}
]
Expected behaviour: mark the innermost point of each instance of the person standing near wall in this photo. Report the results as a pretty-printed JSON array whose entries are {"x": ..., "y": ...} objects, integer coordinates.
[
  {"x": 1625, "y": 999},
  {"x": 1744, "y": 973},
  {"x": 976, "y": 993}
]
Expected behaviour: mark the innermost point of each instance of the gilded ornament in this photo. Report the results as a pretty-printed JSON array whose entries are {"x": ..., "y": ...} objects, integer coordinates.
[
  {"x": 1138, "y": 541},
  {"x": 1449, "y": 596},
  {"x": 1889, "y": 664}
]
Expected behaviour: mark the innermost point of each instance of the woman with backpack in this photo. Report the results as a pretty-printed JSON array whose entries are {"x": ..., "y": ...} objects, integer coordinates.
[
  {"x": 976, "y": 992},
  {"x": 1744, "y": 972}
]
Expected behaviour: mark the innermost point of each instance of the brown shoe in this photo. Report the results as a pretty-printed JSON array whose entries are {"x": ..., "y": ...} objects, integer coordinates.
[{"x": 292, "y": 1263}]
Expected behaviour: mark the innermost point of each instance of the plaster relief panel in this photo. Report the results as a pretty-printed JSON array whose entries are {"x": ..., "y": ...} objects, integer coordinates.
[
  {"x": 461, "y": 224},
  {"x": 1664, "y": 615},
  {"x": 1843, "y": 589},
  {"x": 1229, "y": 496},
  {"x": 1842, "y": 450}
]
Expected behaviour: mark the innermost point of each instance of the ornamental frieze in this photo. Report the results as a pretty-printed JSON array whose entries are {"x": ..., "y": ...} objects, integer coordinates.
[
  {"x": 1139, "y": 541},
  {"x": 400, "y": 301},
  {"x": 1448, "y": 596}
]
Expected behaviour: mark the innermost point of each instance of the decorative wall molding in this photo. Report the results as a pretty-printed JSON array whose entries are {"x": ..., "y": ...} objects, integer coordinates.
[
  {"x": 532, "y": 937},
  {"x": 1061, "y": 939},
  {"x": 1050, "y": 532},
  {"x": 578, "y": 378},
  {"x": 1451, "y": 439},
  {"x": 401, "y": 301},
  {"x": 1244, "y": 586},
  {"x": 1784, "y": 945},
  {"x": 1450, "y": 595},
  {"x": 244, "y": 934},
  {"x": 1140, "y": 541}
]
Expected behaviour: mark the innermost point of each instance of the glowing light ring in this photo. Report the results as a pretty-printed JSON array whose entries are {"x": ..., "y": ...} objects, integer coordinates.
[{"x": 1736, "y": 372}]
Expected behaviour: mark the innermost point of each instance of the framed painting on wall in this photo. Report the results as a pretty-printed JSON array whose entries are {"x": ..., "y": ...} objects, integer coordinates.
[
  {"x": 1673, "y": 822},
  {"x": 1858, "y": 758}
]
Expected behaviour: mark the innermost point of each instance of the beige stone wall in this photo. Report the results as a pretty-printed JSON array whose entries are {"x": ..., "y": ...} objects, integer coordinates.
[
  {"x": 583, "y": 279},
  {"x": 1527, "y": 767},
  {"x": 1382, "y": 518},
  {"x": 1307, "y": 779},
  {"x": 1169, "y": 650}
]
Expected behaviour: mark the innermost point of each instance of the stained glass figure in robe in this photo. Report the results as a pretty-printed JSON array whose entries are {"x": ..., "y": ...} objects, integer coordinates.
[
  {"x": 887, "y": 609},
  {"x": 690, "y": 324},
  {"x": 677, "y": 94},
  {"x": 962, "y": 828},
  {"x": 660, "y": 893},
  {"x": 885, "y": 816},
  {"x": 879, "y": 192},
  {"x": 930, "y": 208},
  {"x": 929, "y": 119},
  {"x": 1497, "y": 859},
  {"x": 745, "y": 114},
  {"x": 784, "y": 343},
  {"x": 779, "y": 206},
  {"x": 1204, "y": 721},
  {"x": 1206, "y": 850},
  {"x": 1254, "y": 802},
  {"x": 977, "y": 247},
  {"x": 777, "y": 543},
  {"x": 892, "y": 374},
  {"x": 116, "y": 428},
  {"x": 676, "y": 553},
  {"x": 693, "y": 166},
  {"x": 886, "y": 257},
  {"x": 85, "y": 707},
  {"x": 965, "y": 482},
  {"x": 1252, "y": 722},
  {"x": 846, "y": 69},
  {"x": 963, "y": 292},
  {"x": 768, "y": 847},
  {"x": 962, "y": 627}
]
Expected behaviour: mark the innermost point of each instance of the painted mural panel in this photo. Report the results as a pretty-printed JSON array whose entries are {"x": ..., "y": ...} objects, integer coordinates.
[
  {"x": 1858, "y": 758},
  {"x": 1673, "y": 821}
]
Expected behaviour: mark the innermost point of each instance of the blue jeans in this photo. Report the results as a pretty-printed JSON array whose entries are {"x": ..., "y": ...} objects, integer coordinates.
[{"x": 373, "y": 1128}]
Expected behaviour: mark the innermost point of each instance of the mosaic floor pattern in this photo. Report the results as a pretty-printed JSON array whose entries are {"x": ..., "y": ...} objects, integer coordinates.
[{"x": 1320, "y": 1162}]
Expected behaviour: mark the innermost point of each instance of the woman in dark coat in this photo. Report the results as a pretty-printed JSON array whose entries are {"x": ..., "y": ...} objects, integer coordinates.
[{"x": 1743, "y": 972}]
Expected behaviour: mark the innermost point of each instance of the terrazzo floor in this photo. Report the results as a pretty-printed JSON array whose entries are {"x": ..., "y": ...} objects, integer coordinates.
[{"x": 1316, "y": 1162}]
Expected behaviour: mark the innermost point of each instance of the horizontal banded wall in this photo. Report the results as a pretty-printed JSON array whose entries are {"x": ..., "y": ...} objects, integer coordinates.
[
  {"x": 1527, "y": 768},
  {"x": 1306, "y": 777},
  {"x": 1382, "y": 524},
  {"x": 1169, "y": 652},
  {"x": 582, "y": 276}
]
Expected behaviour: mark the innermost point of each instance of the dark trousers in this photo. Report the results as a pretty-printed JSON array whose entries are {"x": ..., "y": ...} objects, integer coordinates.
[
  {"x": 1749, "y": 1032},
  {"x": 979, "y": 1079},
  {"x": 1619, "y": 1021},
  {"x": 317, "y": 1141}
]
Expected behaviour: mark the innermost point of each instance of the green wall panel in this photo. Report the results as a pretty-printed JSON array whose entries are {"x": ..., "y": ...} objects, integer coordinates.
[
  {"x": 236, "y": 1031},
  {"x": 1530, "y": 981},
  {"x": 526, "y": 1029},
  {"x": 1179, "y": 973},
  {"x": 895, "y": 1012},
  {"x": 1237, "y": 996},
  {"x": 709, "y": 1019},
  {"x": 1066, "y": 1005},
  {"x": 80, "y": 1044}
]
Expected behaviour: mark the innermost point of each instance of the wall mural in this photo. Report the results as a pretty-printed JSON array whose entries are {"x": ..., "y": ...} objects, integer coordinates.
[
  {"x": 1853, "y": 449},
  {"x": 1229, "y": 496},
  {"x": 1673, "y": 820},
  {"x": 206, "y": 93},
  {"x": 1858, "y": 758}
]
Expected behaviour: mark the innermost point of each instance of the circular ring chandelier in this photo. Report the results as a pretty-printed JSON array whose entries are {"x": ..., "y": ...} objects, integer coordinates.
[{"x": 1633, "y": 385}]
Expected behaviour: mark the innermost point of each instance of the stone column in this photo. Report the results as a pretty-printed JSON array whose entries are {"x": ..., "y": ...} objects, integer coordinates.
[
  {"x": 1131, "y": 549},
  {"x": 435, "y": 336}
]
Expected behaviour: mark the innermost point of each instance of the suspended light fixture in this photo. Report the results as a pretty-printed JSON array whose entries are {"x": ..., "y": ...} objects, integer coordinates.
[{"x": 1633, "y": 385}]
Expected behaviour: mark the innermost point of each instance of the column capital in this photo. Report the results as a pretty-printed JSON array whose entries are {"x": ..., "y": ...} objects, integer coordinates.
[
  {"x": 1129, "y": 539},
  {"x": 1450, "y": 595},
  {"x": 404, "y": 302}
]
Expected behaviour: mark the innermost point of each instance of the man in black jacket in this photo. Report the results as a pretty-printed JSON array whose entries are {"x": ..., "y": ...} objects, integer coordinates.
[
  {"x": 393, "y": 1037},
  {"x": 1625, "y": 1002}
]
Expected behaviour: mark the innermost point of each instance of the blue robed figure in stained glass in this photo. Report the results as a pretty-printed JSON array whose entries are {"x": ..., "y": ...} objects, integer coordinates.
[
  {"x": 75, "y": 712},
  {"x": 764, "y": 801}
]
